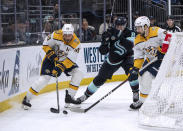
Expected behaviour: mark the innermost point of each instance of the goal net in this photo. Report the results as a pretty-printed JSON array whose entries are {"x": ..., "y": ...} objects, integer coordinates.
[{"x": 164, "y": 105}]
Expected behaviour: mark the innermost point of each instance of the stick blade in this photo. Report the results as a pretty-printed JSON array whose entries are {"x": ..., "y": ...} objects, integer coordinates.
[
  {"x": 79, "y": 110},
  {"x": 53, "y": 110}
]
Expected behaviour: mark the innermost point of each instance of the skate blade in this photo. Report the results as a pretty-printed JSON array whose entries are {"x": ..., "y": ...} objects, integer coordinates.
[
  {"x": 25, "y": 107},
  {"x": 130, "y": 109},
  {"x": 67, "y": 106}
]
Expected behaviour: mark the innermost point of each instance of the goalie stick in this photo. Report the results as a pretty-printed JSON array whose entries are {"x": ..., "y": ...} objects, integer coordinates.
[
  {"x": 80, "y": 110},
  {"x": 54, "y": 110}
]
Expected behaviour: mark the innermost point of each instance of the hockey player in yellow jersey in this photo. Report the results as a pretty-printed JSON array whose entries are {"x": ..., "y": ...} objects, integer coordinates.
[
  {"x": 61, "y": 48},
  {"x": 151, "y": 43}
]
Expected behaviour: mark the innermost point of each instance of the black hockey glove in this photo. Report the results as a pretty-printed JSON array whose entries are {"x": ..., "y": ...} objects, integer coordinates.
[
  {"x": 51, "y": 55},
  {"x": 106, "y": 38},
  {"x": 160, "y": 55},
  {"x": 104, "y": 48},
  {"x": 133, "y": 74}
]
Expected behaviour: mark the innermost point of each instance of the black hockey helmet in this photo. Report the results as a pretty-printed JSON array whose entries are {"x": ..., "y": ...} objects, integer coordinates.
[{"x": 120, "y": 21}]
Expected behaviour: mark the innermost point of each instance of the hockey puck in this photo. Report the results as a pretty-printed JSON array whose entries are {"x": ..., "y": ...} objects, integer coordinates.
[{"x": 65, "y": 112}]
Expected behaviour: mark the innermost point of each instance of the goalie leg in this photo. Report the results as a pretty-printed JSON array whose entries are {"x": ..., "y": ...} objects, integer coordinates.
[{"x": 34, "y": 90}]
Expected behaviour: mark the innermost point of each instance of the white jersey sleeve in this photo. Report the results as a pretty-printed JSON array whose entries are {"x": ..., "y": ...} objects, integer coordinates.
[{"x": 54, "y": 44}]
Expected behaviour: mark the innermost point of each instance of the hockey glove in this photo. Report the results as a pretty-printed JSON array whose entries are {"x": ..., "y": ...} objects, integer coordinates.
[
  {"x": 106, "y": 38},
  {"x": 160, "y": 55},
  {"x": 133, "y": 74},
  {"x": 58, "y": 69},
  {"x": 104, "y": 48},
  {"x": 52, "y": 56}
]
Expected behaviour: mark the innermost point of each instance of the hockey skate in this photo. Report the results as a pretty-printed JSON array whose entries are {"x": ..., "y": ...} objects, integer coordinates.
[
  {"x": 26, "y": 103},
  {"x": 82, "y": 98},
  {"x": 70, "y": 100},
  {"x": 136, "y": 105},
  {"x": 135, "y": 96}
]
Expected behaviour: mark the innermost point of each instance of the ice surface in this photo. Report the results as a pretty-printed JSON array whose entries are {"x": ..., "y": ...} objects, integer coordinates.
[{"x": 111, "y": 114}]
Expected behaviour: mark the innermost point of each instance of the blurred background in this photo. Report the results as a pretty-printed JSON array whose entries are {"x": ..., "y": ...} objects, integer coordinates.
[{"x": 28, "y": 22}]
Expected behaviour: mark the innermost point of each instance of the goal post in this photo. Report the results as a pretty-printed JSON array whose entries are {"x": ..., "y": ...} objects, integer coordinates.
[{"x": 164, "y": 105}]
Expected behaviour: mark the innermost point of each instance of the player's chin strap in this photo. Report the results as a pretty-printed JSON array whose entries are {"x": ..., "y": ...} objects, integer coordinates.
[{"x": 80, "y": 110}]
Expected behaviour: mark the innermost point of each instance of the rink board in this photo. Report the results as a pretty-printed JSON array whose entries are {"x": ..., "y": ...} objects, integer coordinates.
[{"x": 20, "y": 67}]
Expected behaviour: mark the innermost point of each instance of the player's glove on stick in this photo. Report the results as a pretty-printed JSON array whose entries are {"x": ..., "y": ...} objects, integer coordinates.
[
  {"x": 106, "y": 38},
  {"x": 133, "y": 74},
  {"x": 52, "y": 56},
  {"x": 58, "y": 69},
  {"x": 104, "y": 49},
  {"x": 160, "y": 55}
]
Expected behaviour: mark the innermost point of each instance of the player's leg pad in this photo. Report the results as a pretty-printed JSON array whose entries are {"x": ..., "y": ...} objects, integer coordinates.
[{"x": 26, "y": 103}]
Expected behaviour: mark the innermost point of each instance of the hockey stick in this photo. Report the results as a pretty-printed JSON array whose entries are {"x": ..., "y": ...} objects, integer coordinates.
[
  {"x": 80, "y": 110},
  {"x": 111, "y": 12},
  {"x": 87, "y": 109},
  {"x": 54, "y": 110},
  {"x": 144, "y": 67}
]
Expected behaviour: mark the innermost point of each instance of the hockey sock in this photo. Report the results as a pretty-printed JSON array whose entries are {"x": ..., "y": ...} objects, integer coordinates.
[{"x": 91, "y": 89}]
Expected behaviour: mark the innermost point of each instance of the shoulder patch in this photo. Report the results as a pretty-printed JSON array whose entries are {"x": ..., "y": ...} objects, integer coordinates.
[{"x": 75, "y": 42}]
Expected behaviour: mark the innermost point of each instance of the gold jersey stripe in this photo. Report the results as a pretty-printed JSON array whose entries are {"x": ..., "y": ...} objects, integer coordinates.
[
  {"x": 143, "y": 95},
  {"x": 138, "y": 63},
  {"x": 46, "y": 48},
  {"x": 147, "y": 59},
  {"x": 61, "y": 67},
  {"x": 73, "y": 87},
  {"x": 33, "y": 91},
  {"x": 67, "y": 63},
  {"x": 50, "y": 54}
]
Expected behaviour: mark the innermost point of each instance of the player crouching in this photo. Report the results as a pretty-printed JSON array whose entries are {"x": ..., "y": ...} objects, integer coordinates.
[{"x": 61, "y": 48}]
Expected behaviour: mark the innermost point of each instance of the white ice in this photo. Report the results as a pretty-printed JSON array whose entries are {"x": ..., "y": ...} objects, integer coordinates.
[{"x": 111, "y": 114}]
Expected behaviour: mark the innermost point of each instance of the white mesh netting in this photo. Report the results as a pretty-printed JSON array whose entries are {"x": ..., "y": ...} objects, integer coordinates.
[{"x": 164, "y": 105}]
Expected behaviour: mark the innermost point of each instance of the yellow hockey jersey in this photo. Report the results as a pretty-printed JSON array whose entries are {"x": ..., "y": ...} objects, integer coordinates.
[
  {"x": 146, "y": 47},
  {"x": 66, "y": 52}
]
